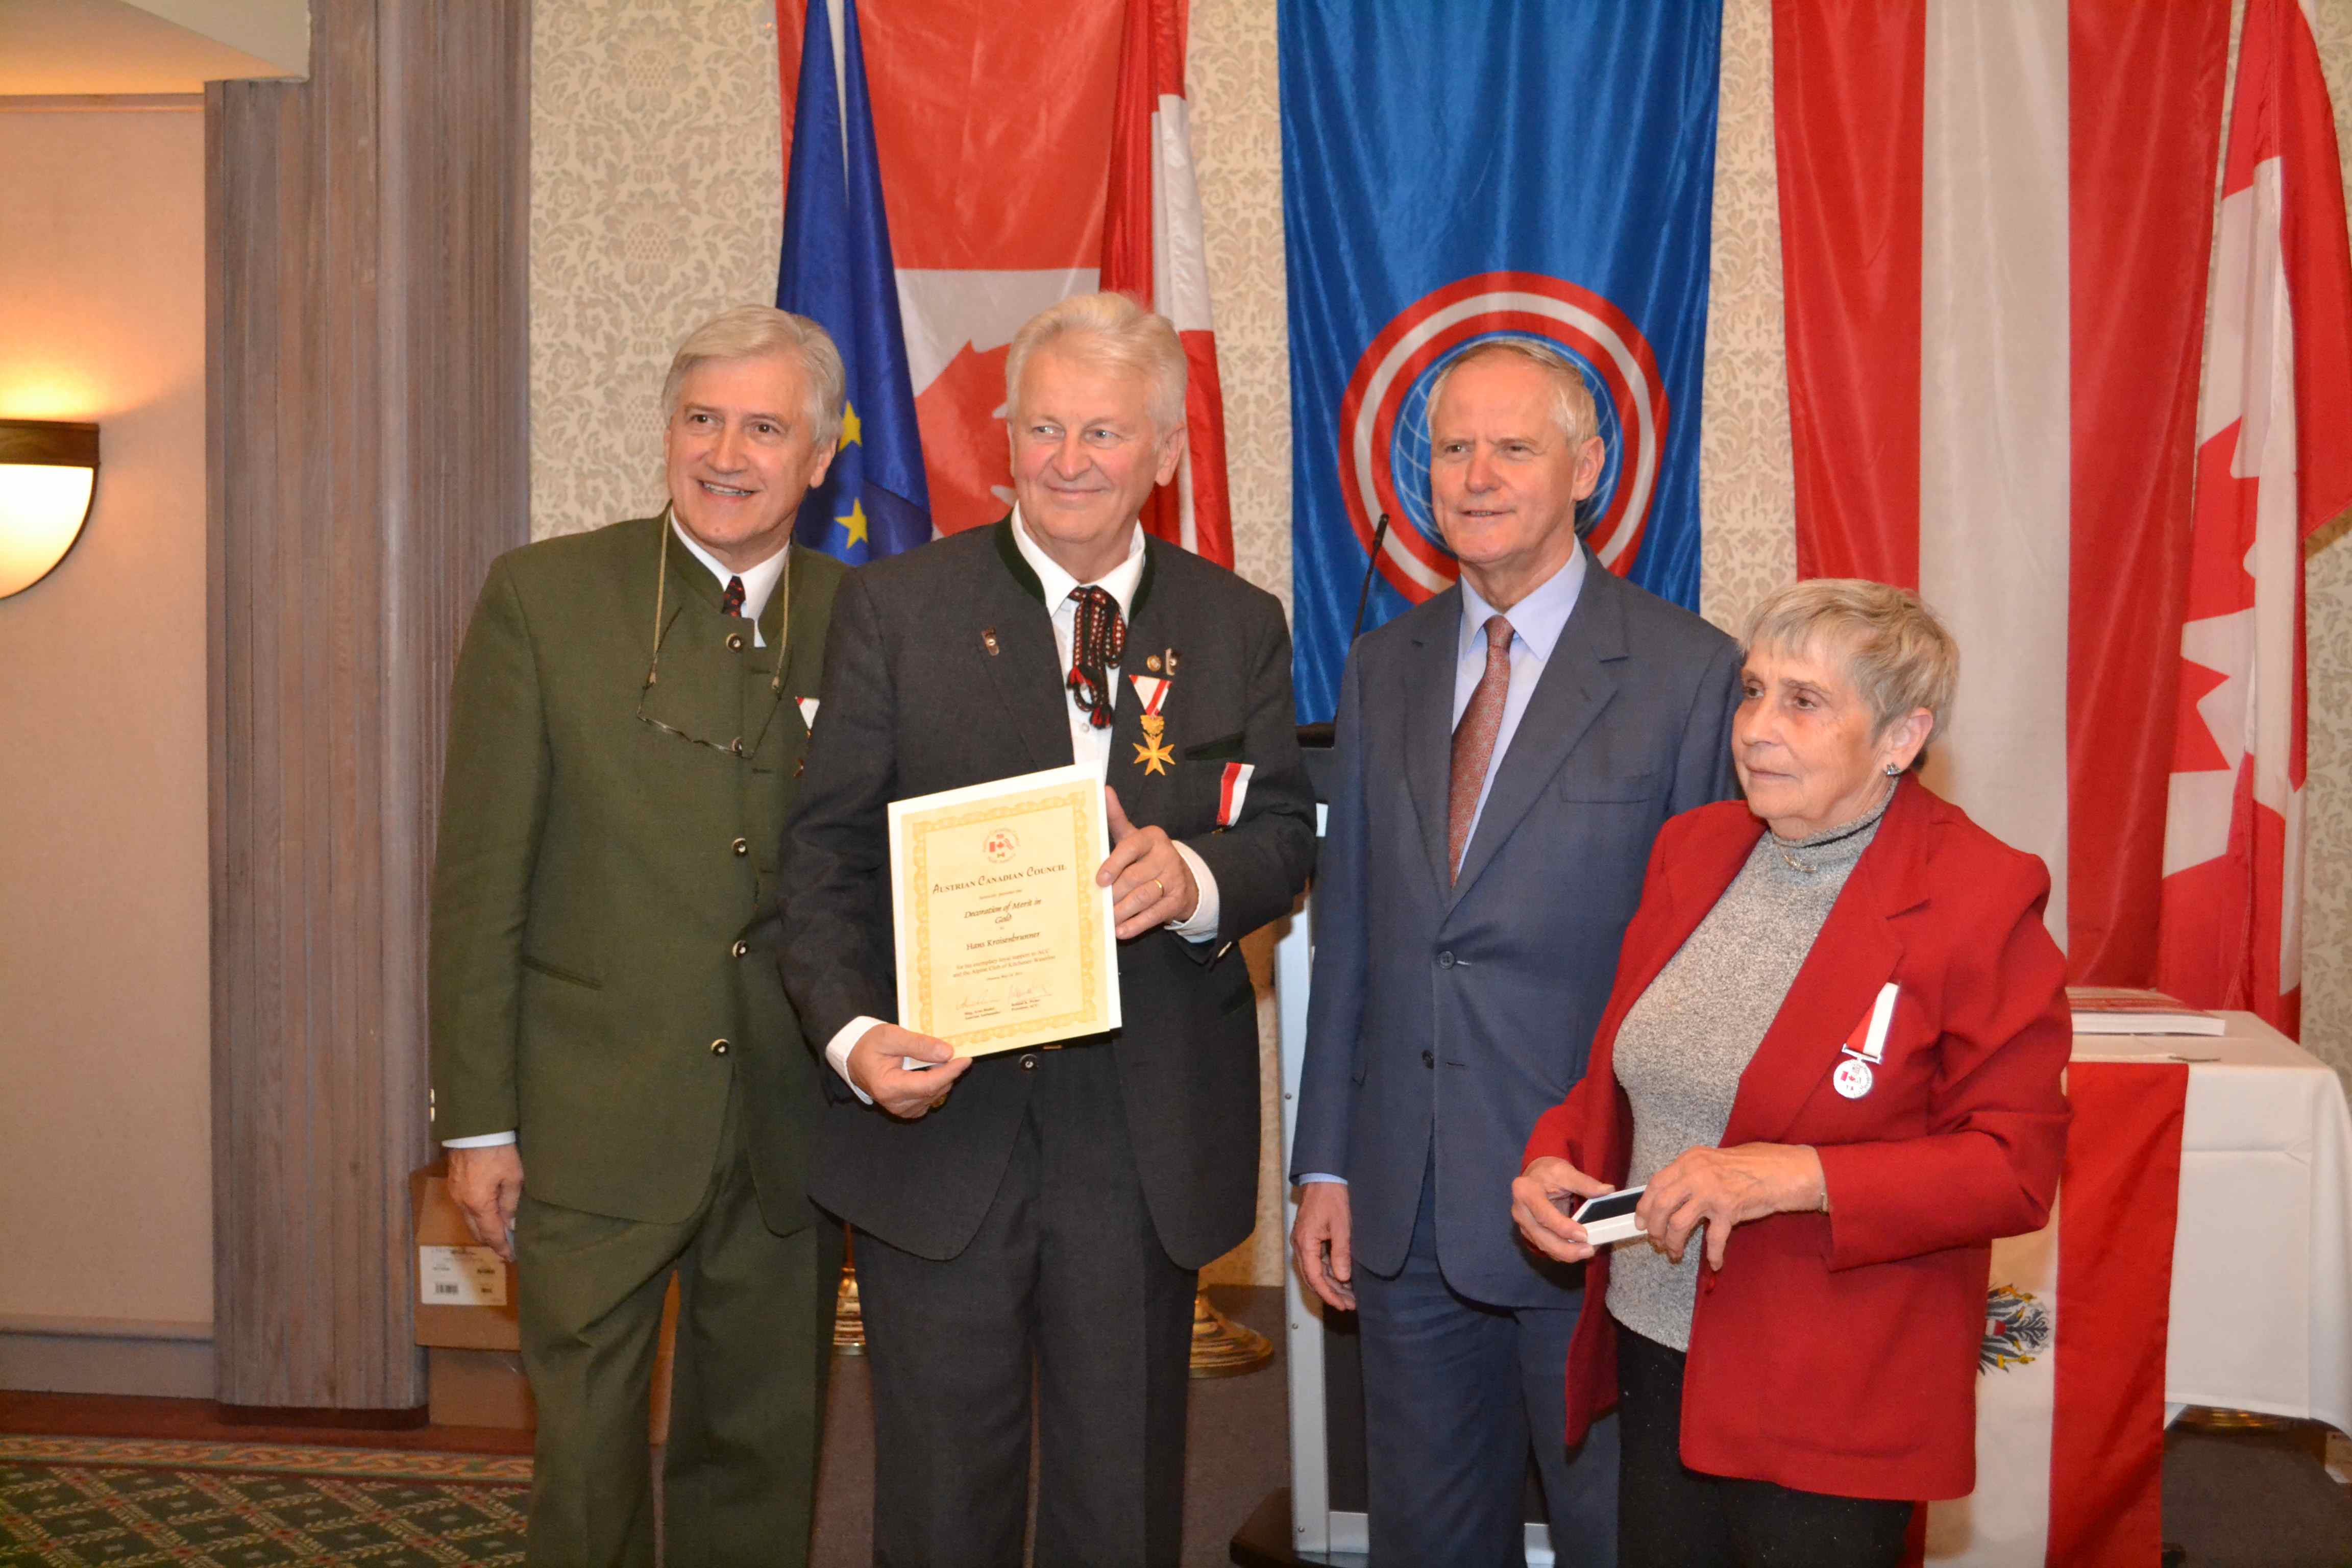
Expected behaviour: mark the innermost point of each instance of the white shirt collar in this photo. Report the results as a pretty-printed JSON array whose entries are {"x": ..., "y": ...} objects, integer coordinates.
[
  {"x": 1119, "y": 582},
  {"x": 759, "y": 582}
]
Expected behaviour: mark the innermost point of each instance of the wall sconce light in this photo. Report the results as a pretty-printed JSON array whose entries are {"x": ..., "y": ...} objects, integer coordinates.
[{"x": 48, "y": 472}]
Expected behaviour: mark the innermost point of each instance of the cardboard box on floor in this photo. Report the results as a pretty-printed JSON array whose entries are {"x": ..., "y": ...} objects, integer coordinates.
[{"x": 474, "y": 1345}]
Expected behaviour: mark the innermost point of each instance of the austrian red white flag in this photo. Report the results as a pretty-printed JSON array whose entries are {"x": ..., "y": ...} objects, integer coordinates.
[
  {"x": 1153, "y": 249},
  {"x": 1004, "y": 197},
  {"x": 2070, "y": 1385},
  {"x": 2274, "y": 463},
  {"x": 1995, "y": 222}
]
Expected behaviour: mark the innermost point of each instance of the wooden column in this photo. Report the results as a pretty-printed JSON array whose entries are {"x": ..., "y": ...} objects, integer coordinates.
[{"x": 367, "y": 367}]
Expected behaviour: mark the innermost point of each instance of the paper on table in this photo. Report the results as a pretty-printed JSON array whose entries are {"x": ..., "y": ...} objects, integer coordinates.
[{"x": 1003, "y": 939}]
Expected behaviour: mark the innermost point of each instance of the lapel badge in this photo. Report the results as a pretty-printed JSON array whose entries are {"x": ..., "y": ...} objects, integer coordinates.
[
  {"x": 1152, "y": 664},
  {"x": 1167, "y": 660},
  {"x": 988, "y": 640},
  {"x": 1852, "y": 1078}
]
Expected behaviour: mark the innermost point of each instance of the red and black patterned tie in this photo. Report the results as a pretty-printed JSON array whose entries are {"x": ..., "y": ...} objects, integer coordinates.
[
  {"x": 731, "y": 602},
  {"x": 1097, "y": 645}
]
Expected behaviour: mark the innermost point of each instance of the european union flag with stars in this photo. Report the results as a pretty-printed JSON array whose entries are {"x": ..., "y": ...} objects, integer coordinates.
[{"x": 837, "y": 270}]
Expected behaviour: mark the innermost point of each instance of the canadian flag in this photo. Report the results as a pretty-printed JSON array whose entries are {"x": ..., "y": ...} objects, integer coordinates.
[
  {"x": 1003, "y": 197},
  {"x": 1153, "y": 249},
  {"x": 2274, "y": 464}
]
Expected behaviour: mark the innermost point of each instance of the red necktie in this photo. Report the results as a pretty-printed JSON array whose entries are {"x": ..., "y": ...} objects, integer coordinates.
[
  {"x": 731, "y": 602},
  {"x": 1097, "y": 643},
  {"x": 1474, "y": 741}
]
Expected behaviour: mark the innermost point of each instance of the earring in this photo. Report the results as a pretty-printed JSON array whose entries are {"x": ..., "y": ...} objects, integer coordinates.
[{"x": 1894, "y": 771}]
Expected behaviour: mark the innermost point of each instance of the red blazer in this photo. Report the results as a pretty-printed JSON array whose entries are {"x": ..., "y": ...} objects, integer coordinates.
[{"x": 1837, "y": 1352}]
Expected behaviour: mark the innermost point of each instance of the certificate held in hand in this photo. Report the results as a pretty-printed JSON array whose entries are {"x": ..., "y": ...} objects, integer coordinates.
[{"x": 1005, "y": 940}]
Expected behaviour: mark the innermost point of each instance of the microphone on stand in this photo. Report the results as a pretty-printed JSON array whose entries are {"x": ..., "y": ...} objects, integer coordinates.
[
  {"x": 1364, "y": 594},
  {"x": 1314, "y": 738}
]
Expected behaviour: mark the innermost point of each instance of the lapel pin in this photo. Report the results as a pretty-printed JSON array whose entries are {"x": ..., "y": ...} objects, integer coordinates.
[
  {"x": 1168, "y": 662},
  {"x": 988, "y": 640},
  {"x": 1152, "y": 664}
]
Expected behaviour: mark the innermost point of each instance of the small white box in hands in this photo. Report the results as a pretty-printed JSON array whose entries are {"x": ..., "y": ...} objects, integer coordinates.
[{"x": 1610, "y": 1217}]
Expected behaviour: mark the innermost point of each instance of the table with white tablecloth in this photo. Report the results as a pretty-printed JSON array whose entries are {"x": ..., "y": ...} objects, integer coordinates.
[{"x": 2262, "y": 1262}]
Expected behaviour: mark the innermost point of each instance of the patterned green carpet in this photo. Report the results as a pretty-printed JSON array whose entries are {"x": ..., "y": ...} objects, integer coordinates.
[{"x": 128, "y": 1503}]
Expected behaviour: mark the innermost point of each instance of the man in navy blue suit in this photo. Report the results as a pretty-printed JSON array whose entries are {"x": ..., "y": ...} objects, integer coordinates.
[{"x": 1506, "y": 752}]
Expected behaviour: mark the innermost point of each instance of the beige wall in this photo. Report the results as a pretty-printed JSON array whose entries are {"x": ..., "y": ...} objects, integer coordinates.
[
  {"x": 105, "y": 1208},
  {"x": 634, "y": 92}
]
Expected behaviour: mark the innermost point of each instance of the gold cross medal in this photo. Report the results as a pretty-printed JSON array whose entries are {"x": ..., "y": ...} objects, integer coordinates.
[{"x": 1152, "y": 752}]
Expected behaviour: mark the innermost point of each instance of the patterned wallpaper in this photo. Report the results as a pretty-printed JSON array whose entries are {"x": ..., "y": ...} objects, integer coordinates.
[{"x": 656, "y": 202}]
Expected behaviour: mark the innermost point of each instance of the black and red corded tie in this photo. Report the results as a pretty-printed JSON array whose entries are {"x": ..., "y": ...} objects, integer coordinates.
[
  {"x": 731, "y": 602},
  {"x": 1097, "y": 645}
]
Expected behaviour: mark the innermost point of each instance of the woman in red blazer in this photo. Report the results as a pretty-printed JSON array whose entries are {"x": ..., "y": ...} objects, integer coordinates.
[{"x": 1833, "y": 1055}]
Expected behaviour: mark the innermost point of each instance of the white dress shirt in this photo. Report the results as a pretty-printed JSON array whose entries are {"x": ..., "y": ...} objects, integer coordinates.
[
  {"x": 758, "y": 582},
  {"x": 1089, "y": 747},
  {"x": 1537, "y": 622}
]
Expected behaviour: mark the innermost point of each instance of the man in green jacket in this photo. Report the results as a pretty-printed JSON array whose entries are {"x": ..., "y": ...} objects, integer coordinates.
[{"x": 619, "y": 1081}]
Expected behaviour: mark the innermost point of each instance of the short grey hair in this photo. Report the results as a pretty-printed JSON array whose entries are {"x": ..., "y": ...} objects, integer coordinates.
[
  {"x": 1573, "y": 410},
  {"x": 1898, "y": 654},
  {"x": 753, "y": 332},
  {"x": 1107, "y": 332}
]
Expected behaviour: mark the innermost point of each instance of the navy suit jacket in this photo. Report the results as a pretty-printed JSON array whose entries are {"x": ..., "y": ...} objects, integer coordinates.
[{"x": 1459, "y": 1013}]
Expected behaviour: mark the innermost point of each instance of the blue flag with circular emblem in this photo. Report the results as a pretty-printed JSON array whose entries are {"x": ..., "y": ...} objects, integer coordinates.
[{"x": 1451, "y": 174}]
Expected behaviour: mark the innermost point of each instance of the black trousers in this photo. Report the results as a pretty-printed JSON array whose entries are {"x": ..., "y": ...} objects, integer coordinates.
[
  {"x": 1066, "y": 1287},
  {"x": 1672, "y": 1517}
]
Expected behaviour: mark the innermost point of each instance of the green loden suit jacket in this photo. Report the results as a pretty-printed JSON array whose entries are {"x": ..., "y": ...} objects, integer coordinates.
[{"x": 602, "y": 960}]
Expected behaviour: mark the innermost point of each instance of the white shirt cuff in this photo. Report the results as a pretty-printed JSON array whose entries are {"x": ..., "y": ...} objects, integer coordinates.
[
  {"x": 845, "y": 1041},
  {"x": 1202, "y": 926},
  {"x": 1307, "y": 1176},
  {"x": 479, "y": 1141}
]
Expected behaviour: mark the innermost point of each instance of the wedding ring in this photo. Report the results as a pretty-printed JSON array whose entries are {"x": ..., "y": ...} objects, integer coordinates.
[{"x": 1161, "y": 885}]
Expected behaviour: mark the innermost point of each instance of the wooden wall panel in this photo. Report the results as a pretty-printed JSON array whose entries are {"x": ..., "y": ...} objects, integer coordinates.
[{"x": 367, "y": 348}]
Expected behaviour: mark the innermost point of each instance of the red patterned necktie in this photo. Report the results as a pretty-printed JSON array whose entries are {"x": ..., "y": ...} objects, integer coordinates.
[
  {"x": 1474, "y": 741},
  {"x": 731, "y": 602},
  {"x": 1096, "y": 644}
]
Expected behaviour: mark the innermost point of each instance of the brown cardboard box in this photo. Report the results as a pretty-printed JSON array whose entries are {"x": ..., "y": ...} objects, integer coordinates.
[
  {"x": 473, "y": 1361},
  {"x": 440, "y": 1223},
  {"x": 478, "y": 1388}
]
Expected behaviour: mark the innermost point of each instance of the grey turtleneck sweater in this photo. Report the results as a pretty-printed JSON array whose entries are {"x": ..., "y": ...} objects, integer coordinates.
[{"x": 1688, "y": 1037}]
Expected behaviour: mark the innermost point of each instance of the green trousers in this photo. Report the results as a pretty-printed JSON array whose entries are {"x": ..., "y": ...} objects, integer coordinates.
[{"x": 747, "y": 1405}]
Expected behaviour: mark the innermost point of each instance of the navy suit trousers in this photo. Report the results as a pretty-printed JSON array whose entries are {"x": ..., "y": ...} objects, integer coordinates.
[{"x": 1454, "y": 1393}]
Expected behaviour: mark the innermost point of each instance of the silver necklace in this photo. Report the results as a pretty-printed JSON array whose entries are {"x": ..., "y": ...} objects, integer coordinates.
[{"x": 1864, "y": 821}]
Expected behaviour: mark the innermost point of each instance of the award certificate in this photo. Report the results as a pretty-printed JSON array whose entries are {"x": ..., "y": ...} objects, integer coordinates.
[{"x": 1003, "y": 939}]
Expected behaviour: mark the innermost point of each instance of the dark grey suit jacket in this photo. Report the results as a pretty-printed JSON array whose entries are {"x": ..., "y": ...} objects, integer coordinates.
[
  {"x": 1461, "y": 1013},
  {"x": 916, "y": 700}
]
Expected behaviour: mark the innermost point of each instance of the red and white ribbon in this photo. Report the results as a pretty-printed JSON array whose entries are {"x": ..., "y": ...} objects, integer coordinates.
[{"x": 1230, "y": 793}]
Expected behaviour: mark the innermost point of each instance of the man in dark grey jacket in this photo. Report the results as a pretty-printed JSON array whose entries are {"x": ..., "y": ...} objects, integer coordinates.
[
  {"x": 1507, "y": 752},
  {"x": 1034, "y": 1219}
]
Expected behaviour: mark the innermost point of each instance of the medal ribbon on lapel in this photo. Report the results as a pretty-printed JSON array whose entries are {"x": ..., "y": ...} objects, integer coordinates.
[
  {"x": 1867, "y": 1047},
  {"x": 1232, "y": 791},
  {"x": 1152, "y": 752}
]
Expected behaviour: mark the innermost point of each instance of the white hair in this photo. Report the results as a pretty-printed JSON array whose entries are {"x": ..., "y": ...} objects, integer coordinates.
[
  {"x": 1573, "y": 410},
  {"x": 753, "y": 332},
  {"x": 1898, "y": 654},
  {"x": 1107, "y": 332}
]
